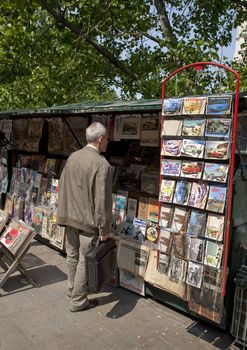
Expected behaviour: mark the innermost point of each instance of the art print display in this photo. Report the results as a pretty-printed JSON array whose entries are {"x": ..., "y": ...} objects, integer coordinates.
[
  {"x": 130, "y": 128},
  {"x": 191, "y": 169},
  {"x": 164, "y": 263},
  {"x": 170, "y": 167},
  {"x": 182, "y": 192},
  {"x": 198, "y": 195},
  {"x": 172, "y": 106},
  {"x": 150, "y": 131},
  {"x": 180, "y": 246},
  {"x": 196, "y": 249},
  {"x": 177, "y": 269},
  {"x": 197, "y": 223},
  {"x": 194, "y": 105},
  {"x": 171, "y": 148},
  {"x": 152, "y": 232},
  {"x": 216, "y": 199},
  {"x": 180, "y": 220},
  {"x": 219, "y": 105},
  {"x": 192, "y": 148},
  {"x": 153, "y": 210},
  {"x": 172, "y": 127},
  {"x": 215, "y": 227},
  {"x": 213, "y": 254},
  {"x": 194, "y": 275},
  {"x": 193, "y": 127},
  {"x": 217, "y": 150},
  {"x": 165, "y": 240},
  {"x": 166, "y": 190},
  {"x": 215, "y": 172},
  {"x": 166, "y": 212},
  {"x": 218, "y": 128}
]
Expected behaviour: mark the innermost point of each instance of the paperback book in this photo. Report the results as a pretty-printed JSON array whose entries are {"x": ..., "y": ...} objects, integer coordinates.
[
  {"x": 216, "y": 199},
  {"x": 170, "y": 167},
  {"x": 196, "y": 249},
  {"x": 197, "y": 224},
  {"x": 191, "y": 170},
  {"x": 192, "y": 148},
  {"x": 165, "y": 240},
  {"x": 194, "y": 105},
  {"x": 219, "y": 105},
  {"x": 166, "y": 190},
  {"x": 193, "y": 127},
  {"x": 180, "y": 220},
  {"x": 166, "y": 212},
  {"x": 182, "y": 192},
  {"x": 217, "y": 150},
  {"x": 198, "y": 195},
  {"x": 218, "y": 128},
  {"x": 213, "y": 254},
  {"x": 215, "y": 227},
  {"x": 195, "y": 274},
  {"x": 215, "y": 172},
  {"x": 172, "y": 106},
  {"x": 172, "y": 127},
  {"x": 171, "y": 148}
]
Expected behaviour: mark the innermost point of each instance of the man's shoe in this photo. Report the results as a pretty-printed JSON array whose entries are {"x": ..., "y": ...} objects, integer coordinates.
[{"x": 91, "y": 304}]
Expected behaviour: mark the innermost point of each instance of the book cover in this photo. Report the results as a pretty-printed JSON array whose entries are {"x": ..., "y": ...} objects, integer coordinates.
[
  {"x": 191, "y": 170},
  {"x": 194, "y": 275},
  {"x": 194, "y": 105},
  {"x": 192, "y": 148},
  {"x": 172, "y": 106},
  {"x": 143, "y": 208},
  {"x": 215, "y": 227},
  {"x": 193, "y": 127},
  {"x": 218, "y": 128},
  {"x": 170, "y": 167},
  {"x": 166, "y": 190},
  {"x": 182, "y": 192},
  {"x": 180, "y": 220},
  {"x": 171, "y": 148},
  {"x": 172, "y": 127},
  {"x": 152, "y": 232},
  {"x": 217, "y": 150},
  {"x": 180, "y": 246},
  {"x": 196, "y": 249},
  {"x": 177, "y": 270},
  {"x": 213, "y": 254},
  {"x": 165, "y": 240},
  {"x": 197, "y": 223},
  {"x": 132, "y": 208},
  {"x": 166, "y": 212},
  {"x": 216, "y": 199},
  {"x": 219, "y": 105},
  {"x": 215, "y": 172},
  {"x": 198, "y": 195},
  {"x": 153, "y": 210}
]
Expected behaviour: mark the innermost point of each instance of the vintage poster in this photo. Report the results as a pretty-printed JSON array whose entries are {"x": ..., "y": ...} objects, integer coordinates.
[
  {"x": 166, "y": 212},
  {"x": 171, "y": 148},
  {"x": 191, "y": 170},
  {"x": 195, "y": 273},
  {"x": 172, "y": 127},
  {"x": 180, "y": 220},
  {"x": 198, "y": 195},
  {"x": 35, "y": 129},
  {"x": 182, "y": 192},
  {"x": 215, "y": 227},
  {"x": 197, "y": 223},
  {"x": 219, "y": 105},
  {"x": 196, "y": 249},
  {"x": 213, "y": 254},
  {"x": 166, "y": 190},
  {"x": 172, "y": 106},
  {"x": 216, "y": 150},
  {"x": 170, "y": 167},
  {"x": 129, "y": 281},
  {"x": 193, "y": 127},
  {"x": 216, "y": 199},
  {"x": 215, "y": 172},
  {"x": 130, "y": 127},
  {"x": 194, "y": 105},
  {"x": 192, "y": 148},
  {"x": 218, "y": 128},
  {"x": 150, "y": 131}
]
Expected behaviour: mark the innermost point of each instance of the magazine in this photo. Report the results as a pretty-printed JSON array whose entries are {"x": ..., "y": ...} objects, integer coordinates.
[
  {"x": 194, "y": 105},
  {"x": 218, "y": 128},
  {"x": 177, "y": 270},
  {"x": 182, "y": 192},
  {"x": 170, "y": 167},
  {"x": 165, "y": 240},
  {"x": 166, "y": 190},
  {"x": 153, "y": 210},
  {"x": 172, "y": 106},
  {"x": 215, "y": 227},
  {"x": 217, "y": 150},
  {"x": 166, "y": 212},
  {"x": 152, "y": 232},
  {"x": 216, "y": 199},
  {"x": 172, "y": 127},
  {"x": 171, "y": 148},
  {"x": 213, "y": 254},
  {"x": 193, "y": 127},
  {"x": 198, "y": 195},
  {"x": 180, "y": 220},
  {"x": 215, "y": 172},
  {"x": 197, "y": 223},
  {"x": 196, "y": 249},
  {"x": 180, "y": 246},
  {"x": 219, "y": 105},
  {"x": 191, "y": 170},
  {"x": 192, "y": 148},
  {"x": 195, "y": 273}
]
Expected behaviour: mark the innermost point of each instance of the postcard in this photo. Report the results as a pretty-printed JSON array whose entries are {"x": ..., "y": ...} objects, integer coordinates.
[
  {"x": 180, "y": 220},
  {"x": 217, "y": 150},
  {"x": 197, "y": 223},
  {"x": 132, "y": 208},
  {"x": 216, "y": 199},
  {"x": 172, "y": 127},
  {"x": 153, "y": 210},
  {"x": 192, "y": 148},
  {"x": 164, "y": 263},
  {"x": 180, "y": 246},
  {"x": 218, "y": 128},
  {"x": 152, "y": 232},
  {"x": 130, "y": 127},
  {"x": 170, "y": 167},
  {"x": 219, "y": 105},
  {"x": 194, "y": 105},
  {"x": 166, "y": 190},
  {"x": 177, "y": 270},
  {"x": 150, "y": 131},
  {"x": 213, "y": 254},
  {"x": 143, "y": 208},
  {"x": 198, "y": 195},
  {"x": 172, "y": 106},
  {"x": 215, "y": 227},
  {"x": 196, "y": 249},
  {"x": 194, "y": 275},
  {"x": 215, "y": 172},
  {"x": 165, "y": 240},
  {"x": 193, "y": 127},
  {"x": 166, "y": 212},
  {"x": 182, "y": 192},
  {"x": 191, "y": 170},
  {"x": 171, "y": 148}
]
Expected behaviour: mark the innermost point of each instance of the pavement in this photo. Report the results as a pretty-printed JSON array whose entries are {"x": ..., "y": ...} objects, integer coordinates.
[{"x": 38, "y": 318}]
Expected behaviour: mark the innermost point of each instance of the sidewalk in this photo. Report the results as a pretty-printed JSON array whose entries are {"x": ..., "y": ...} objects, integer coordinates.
[{"x": 38, "y": 318}]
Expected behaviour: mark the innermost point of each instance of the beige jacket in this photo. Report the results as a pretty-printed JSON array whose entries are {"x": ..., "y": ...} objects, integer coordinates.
[{"x": 85, "y": 192}]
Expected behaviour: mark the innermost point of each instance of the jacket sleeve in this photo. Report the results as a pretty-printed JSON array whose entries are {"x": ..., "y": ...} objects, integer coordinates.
[{"x": 103, "y": 198}]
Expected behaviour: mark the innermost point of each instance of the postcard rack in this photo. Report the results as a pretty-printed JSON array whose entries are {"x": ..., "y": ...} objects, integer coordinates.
[{"x": 198, "y": 135}]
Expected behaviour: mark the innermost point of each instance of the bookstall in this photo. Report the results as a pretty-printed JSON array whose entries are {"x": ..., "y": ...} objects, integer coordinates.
[{"x": 172, "y": 163}]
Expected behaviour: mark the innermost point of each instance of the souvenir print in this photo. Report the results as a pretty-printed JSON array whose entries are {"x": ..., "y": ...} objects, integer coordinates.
[
  {"x": 194, "y": 105},
  {"x": 219, "y": 105},
  {"x": 182, "y": 192},
  {"x": 177, "y": 269},
  {"x": 171, "y": 148},
  {"x": 180, "y": 220},
  {"x": 216, "y": 199},
  {"x": 213, "y": 254},
  {"x": 166, "y": 212},
  {"x": 192, "y": 148},
  {"x": 215, "y": 227},
  {"x": 170, "y": 167},
  {"x": 193, "y": 127},
  {"x": 197, "y": 223},
  {"x": 172, "y": 106},
  {"x": 172, "y": 127},
  {"x": 191, "y": 170},
  {"x": 215, "y": 172},
  {"x": 198, "y": 195},
  {"x": 166, "y": 191},
  {"x": 196, "y": 249},
  {"x": 217, "y": 150}
]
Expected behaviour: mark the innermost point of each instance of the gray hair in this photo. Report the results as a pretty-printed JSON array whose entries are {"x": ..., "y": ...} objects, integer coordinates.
[{"x": 94, "y": 131}]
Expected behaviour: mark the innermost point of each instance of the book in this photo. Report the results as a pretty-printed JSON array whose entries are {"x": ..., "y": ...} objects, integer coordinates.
[
  {"x": 170, "y": 167},
  {"x": 172, "y": 127},
  {"x": 131, "y": 208},
  {"x": 192, "y": 148},
  {"x": 194, "y": 275},
  {"x": 194, "y": 105},
  {"x": 213, "y": 254},
  {"x": 215, "y": 172},
  {"x": 216, "y": 150},
  {"x": 166, "y": 190},
  {"x": 171, "y": 148},
  {"x": 197, "y": 224},
  {"x": 172, "y": 106},
  {"x": 218, "y": 128},
  {"x": 198, "y": 195},
  {"x": 216, "y": 199},
  {"x": 191, "y": 170},
  {"x": 153, "y": 210},
  {"x": 219, "y": 105},
  {"x": 180, "y": 220},
  {"x": 143, "y": 208},
  {"x": 177, "y": 269},
  {"x": 193, "y": 127},
  {"x": 165, "y": 240},
  {"x": 215, "y": 227},
  {"x": 152, "y": 232},
  {"x": 182, "y": 192},
  {"x": 180, "y": 246},
  {"x": 196, "y": 249},
  {"x": 166, "y": 212}
]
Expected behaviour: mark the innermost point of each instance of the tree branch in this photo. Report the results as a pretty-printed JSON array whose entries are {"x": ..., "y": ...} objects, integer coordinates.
[{"x": 164, "y": 21}]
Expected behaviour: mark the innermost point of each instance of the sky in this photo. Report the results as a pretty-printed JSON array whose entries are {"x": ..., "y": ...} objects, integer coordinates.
[{"x": 229, "y": 50}]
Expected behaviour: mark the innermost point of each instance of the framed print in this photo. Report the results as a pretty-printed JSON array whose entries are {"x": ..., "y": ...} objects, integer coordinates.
[{"x": 130, "y": 128}]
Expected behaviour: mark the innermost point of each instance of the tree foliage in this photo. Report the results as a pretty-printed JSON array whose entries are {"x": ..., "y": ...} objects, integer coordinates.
[{"x": 54, "y": 52}]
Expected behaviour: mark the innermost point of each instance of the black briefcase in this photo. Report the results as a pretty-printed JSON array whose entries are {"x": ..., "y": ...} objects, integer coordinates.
[{"x": 101, "y": 263}]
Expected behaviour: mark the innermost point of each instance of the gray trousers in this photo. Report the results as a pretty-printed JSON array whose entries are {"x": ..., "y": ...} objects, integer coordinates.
[{"x": 77, "y": 244}]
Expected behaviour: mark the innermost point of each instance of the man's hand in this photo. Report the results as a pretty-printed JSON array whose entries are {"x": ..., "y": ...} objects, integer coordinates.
[{"x": 104, "y": 237}]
